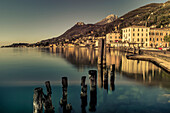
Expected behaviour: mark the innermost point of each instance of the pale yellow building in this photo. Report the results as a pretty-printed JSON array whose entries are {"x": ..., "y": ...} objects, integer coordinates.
[
  {"x": 113, "y": 38},
  {"x": 136, "y": 34}
]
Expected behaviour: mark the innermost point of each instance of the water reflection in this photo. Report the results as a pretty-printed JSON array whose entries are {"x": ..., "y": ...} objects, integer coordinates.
[
  {"x": 141, "y": 71},
  {"x": 115, "y": 65}
]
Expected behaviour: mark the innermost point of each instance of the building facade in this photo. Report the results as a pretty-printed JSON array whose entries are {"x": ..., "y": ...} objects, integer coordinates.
[
  {"x": 149, "y": 37},
  {"x": 113, "y": 38},
  {"x": 157, "y": 37},
  {"x": 136, "y": 34}
]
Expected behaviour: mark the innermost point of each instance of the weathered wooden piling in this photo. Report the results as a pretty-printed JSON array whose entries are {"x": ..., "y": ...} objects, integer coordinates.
[
  {"x": 83, "y": 87},
  {"x": 63, "y": 101},
  {"x": 37, "y": 100},
  {"x": 47, "y": 102},
  {"x": 93, "y": 77},
  {"x": 112, "y": 78},
  {"x": 83, "y": 94},
  {"x": 93, "y": 90}
]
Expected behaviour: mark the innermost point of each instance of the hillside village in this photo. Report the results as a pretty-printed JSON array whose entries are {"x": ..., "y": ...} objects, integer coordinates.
[{"x": 147, "y": 26}]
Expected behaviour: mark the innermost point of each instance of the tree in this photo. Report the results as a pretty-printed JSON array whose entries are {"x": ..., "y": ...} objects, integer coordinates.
[{"x": 167, "y": 38}]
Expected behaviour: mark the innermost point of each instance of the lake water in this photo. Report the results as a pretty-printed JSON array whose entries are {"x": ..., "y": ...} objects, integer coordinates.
[{"x": 139, "y": 86}]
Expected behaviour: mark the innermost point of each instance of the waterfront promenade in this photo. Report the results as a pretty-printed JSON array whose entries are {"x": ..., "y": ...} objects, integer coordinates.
[{"x": 160, "y": 59}]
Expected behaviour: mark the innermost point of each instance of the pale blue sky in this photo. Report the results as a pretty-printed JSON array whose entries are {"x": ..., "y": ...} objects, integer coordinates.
[{"x": 35, "y": 20}]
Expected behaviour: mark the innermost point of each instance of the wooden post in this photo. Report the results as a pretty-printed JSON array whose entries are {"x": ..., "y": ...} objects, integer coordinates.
[
  {"x": 93, "y": 77},
  {"x": 83, "y": 87},
  {"x": 47, "y": 102},
  {"x": 63, "y": 101},
  {"x": 112, "y": 78},
  {"x": 93, "y": 90},
  {"x": 83, "y": 94},
  {"x": 37, "y": 100}
]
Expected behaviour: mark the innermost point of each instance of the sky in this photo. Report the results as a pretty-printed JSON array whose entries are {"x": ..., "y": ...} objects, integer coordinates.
[{"x": 31, "y": 21}]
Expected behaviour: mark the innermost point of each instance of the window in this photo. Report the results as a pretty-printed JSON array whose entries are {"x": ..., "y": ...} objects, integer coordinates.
[
  {"x": 153, "y": 33},
  {"x": 153, "y": 39},
  {"x": 126, "y": 30},
  {"x": 142, "y": 29},
  {"x": 111, "y": 37},
  {"x": 161, "y": 39},
  {"x": 129, "y": 34},
  {"x": 119, "y": 37},
  {"x": 142, "y": 34},
  {"x": 133, "y": 34},
  {"x": 150, "y": 39},
  {"x": 142, "y": 39},
  {"x": 157, "y": 33},
  {"x": 146, "y": 39},
  {"x": 129, "y": 30},
  {"x": 161, "y": 34},
  {"x": 157, "y": 39},
  {"x": 115, "y": 37},
  {"x": 138, "y": 29},
  {"x": 146, "y": 34},
  {"x": 133, "y": 39},
  {"x": 167, "y": 34},
  {"x": 138, "y": 34},
  {"x": 138, "y": 39},
  {"x": 111, "y": 41},
  {"x": 150, "y": 33},
  {"x": 146, "y": 44},
  {"x": 133, "y": 29},
  {"x": 146, "y": 30}
]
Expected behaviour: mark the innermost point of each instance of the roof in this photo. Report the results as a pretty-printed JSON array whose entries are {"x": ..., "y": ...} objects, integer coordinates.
[{"x": 134, "y": 26}]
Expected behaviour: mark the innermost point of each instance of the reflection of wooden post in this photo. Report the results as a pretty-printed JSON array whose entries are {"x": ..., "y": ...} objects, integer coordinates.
[
  {"x": 100, "y": 51},
  {"x": 47, "y": 102},
  {"x": 100, "y": 76},
  {"x": 112, "y": 78},
  {"x": 37, "y": 100},
  {"x": 106, "y": 79}
]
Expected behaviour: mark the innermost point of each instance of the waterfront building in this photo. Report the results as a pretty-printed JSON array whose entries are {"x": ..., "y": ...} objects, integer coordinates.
[
  {"x": 156, "y": 37},
  {"x": 136, "y": 34},
  {"x": 113, "y": 38},
  {"x": 148, "y": 37}
]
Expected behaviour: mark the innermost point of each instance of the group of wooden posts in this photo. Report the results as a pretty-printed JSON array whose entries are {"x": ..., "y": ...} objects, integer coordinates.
[{"x": 41, "y": 100}]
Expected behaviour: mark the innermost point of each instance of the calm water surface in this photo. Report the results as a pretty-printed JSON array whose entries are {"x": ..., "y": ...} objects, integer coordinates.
[{"x": 139, "y": 86}]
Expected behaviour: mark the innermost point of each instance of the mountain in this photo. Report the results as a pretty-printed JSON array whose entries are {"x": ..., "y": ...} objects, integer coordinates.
[
  {"x": 108, "y": 19},
  {"x": 156, "y": 14}
]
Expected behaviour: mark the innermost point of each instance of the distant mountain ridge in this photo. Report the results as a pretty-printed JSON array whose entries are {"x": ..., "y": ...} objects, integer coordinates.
[
  {"x": 152, "y": 14},
  {"x": 108, "y": 19}
]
